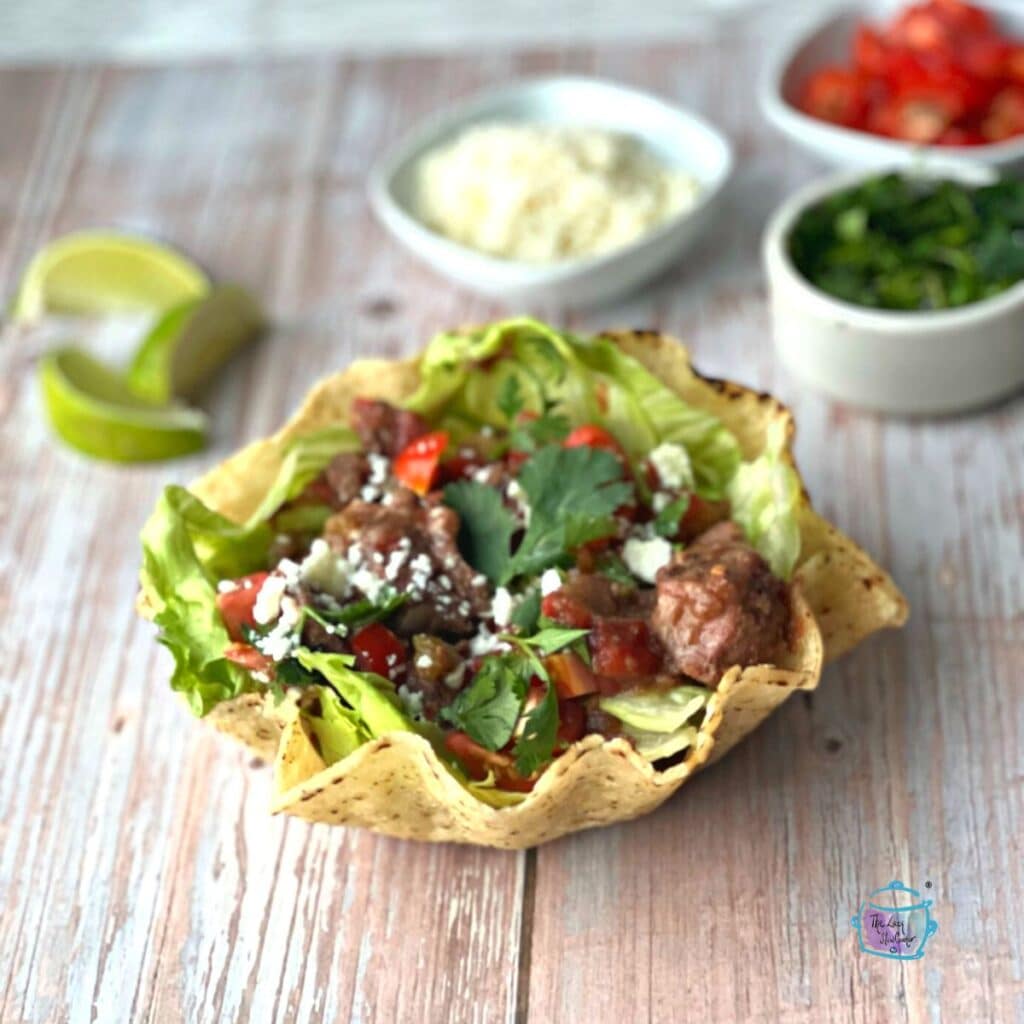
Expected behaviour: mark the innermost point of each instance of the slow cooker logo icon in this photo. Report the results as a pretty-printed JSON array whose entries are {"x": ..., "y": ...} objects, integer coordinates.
[{"x": 895, "y": 922}]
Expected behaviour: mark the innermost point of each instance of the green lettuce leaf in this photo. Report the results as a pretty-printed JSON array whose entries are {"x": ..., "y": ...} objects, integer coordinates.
[
  {"x": 587, "y": 380},
  {"x": 303, "y": 460},
  {"x": 187, "y": 548},
  {"x": 660, "y": 723},
  {"x": 375, "y": 706},
  {"x": 657, "y": 710},
  {"x": 337, "y": 728},
  {"x": 764, "y": 495}
]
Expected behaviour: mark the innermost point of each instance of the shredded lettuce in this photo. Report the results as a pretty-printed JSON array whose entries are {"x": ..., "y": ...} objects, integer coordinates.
[
  {"x": 187, "y": 548},
  {"x": 337, "y": 728},
  {"x": 589, "y": 380},
  {"x": 375, "y": 706},
  {"x": 303, "y": 460},
  {"x": 764, "y": 496},
  {"x": 659, "y": 722}
]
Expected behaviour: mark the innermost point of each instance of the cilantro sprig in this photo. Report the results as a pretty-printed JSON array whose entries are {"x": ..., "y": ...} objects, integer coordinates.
[
  {"x": 491, "y": 707},
  {"x": 572, "y": 494}
]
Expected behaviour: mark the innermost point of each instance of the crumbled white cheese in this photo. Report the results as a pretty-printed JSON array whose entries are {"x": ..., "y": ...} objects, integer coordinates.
[
  {"x": 672, "y": 464},
  {"x": 371, "y": 585},
  {"x": 550, "y": 582},
  {"x": 412, "y": 701},
  {"x": 515, "y": 493},
  {"x": 485, "y": 642},
  {"x": 226, "y": 586},
  {"x": 660, "y": 500},
  {"x": 644, "y": 558},
  {"x": 380, "y": 467},
  {"x": 424, "y": 661},
  {"x": 501, "y": 607},
  {"x": 267, "y": 606},
  {"x": 324, "y": 570},
  {"x": 454, "y": 678},
  {"x": 396, "y": 560}
]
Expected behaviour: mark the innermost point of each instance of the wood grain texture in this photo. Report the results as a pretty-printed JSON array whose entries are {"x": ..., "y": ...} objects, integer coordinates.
[{"x": 140, "y": 876}]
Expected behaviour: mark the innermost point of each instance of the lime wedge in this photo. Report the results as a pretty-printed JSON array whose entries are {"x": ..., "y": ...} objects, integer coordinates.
[
  {"x": 191, "y": 341},
  {"x": 93, "y": 272},
  {"x": 93, "y": 409}
]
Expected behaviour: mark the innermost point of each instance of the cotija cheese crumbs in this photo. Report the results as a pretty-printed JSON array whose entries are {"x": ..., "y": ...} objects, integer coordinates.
[{"x": 538, "y": 193}]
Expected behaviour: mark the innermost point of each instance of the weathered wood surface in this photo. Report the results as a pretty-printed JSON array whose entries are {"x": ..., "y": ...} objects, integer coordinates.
[{"x": 140, "y": 876}]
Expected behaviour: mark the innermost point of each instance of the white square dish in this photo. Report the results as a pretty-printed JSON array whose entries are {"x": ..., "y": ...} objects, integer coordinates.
[
  {"x": 680, "y": 139},
  {"x": 827, "y": 41}
]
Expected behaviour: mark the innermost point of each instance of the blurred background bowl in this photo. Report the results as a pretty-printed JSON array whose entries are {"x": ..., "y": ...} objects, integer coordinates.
[
  {"x": 828, "y": 40},
  {"x": 675, "y": 136},
  {"x": 913, "y": 363}
]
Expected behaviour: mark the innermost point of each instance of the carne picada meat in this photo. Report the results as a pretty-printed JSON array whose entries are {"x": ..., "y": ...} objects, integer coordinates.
[{"x": 719, "y": 605}]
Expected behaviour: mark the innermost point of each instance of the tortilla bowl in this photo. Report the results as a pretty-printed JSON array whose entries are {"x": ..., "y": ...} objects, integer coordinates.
[{"x": 397, "y": 784}]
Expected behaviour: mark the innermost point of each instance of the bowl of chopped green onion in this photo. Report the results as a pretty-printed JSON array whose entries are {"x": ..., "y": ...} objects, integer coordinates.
[{"x": 902, "y": 291}]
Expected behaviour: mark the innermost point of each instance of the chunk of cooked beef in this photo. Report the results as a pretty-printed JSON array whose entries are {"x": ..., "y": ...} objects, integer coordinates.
[
  {"x": 411, "y": 546},
  {"x": 436, "y": 673},
  {"x": 345, "y": 475},
  {"x": 383, "y": 428},
  {"x": 719, "y": 605}
]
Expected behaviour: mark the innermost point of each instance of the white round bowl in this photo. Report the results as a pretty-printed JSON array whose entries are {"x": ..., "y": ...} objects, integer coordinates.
[
  {"x": 828, "y": 40},
  {"x": 681, "y": 139},
  {"x": 891, "y": 361}
]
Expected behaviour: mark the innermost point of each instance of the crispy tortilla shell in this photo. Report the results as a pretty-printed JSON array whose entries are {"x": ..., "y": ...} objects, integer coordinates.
[{"x": 396, "y": 784}]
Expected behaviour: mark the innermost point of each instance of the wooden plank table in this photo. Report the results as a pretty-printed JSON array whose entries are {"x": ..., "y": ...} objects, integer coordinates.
[{"x": 141, "y": 878}]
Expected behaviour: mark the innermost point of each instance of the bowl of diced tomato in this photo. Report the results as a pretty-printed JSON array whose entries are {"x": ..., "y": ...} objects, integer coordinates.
[{"x": 875, "y": 83}]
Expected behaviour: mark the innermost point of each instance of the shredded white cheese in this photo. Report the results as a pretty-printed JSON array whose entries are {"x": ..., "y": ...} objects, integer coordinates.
[
  {"x": 672, "y": 464},
  {"x": 540, "y": 193},
  {"x": 644, "y": 558}
]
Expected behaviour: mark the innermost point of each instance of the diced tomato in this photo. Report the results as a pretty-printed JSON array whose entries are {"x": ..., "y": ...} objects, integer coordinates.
[
  {"x": 1006, "y": 117},
  {"x": 1015, "y": 64},
  {"x": 591, "y": 436},
  {"x": 416, "y": 465},
  {"x": 570, "y": 675},
  {"x": 623, "y": 647},
  {"x": 922, "y": 28},
  {"x": 566, "y": 610},
  {"x": 572, "y": 721},
  {"x": 378, "y": 650},
  {"x": 836, "y": 95},
  {"x": 963, "y": 17},
  {"x": 235, "y": 606},
  {"x": 870, "y": 52},
  {"x": 479, "y": 762},
  {"x": 249, "y": 658},
  {"x": 986, "y": 56}
]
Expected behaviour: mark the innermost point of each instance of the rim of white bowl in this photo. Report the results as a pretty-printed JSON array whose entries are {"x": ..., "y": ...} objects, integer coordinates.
[
  {"x": 513, "y": 272},
  {"x": 776, "y": 256}
]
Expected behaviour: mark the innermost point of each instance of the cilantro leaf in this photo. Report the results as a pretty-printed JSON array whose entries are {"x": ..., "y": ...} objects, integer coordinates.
[
  {"x": 486, "y": 527},
  {"x": 487, "y": 710},
  {"x": 550, "y": 639},
  {"x": 526, "y": 613},
  {"x": 572, "y": 493},
  {"x": 666, "y": 523},
  {"x": 534, "y": 747}
]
